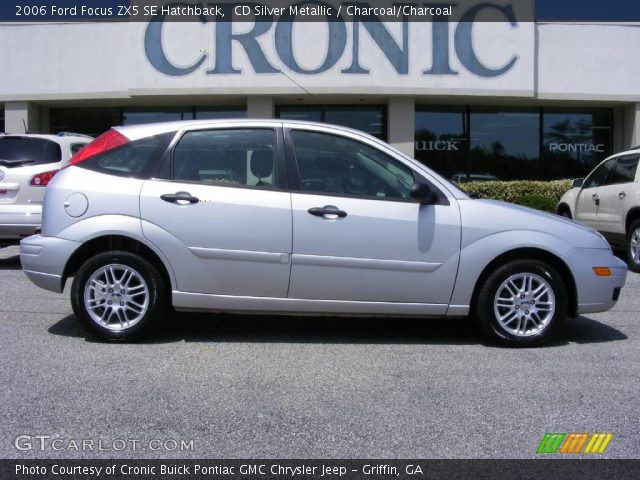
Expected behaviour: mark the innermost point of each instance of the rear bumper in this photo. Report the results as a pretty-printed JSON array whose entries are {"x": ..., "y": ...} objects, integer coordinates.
[
  {"x": 44, "y": 259},
  {"x": 19, "y": 221},
  {"x": 596, "y": 294}
]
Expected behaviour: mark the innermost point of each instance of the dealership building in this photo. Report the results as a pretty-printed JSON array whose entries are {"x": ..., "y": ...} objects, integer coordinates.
[{"x": 515, "y": 99}]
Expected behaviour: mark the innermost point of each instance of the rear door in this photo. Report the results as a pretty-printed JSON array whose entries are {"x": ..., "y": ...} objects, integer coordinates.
[
  {"x": 224, "y": 218},
  {"x": 357, "y": 234},
  {"x": 588, "y": 201}
]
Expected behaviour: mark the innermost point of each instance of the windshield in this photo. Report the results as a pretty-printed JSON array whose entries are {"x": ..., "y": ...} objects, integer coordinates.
[{"x": 18, "y": 151}]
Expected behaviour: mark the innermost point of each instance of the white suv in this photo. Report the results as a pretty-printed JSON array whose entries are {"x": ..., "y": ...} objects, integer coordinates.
[
  {"x": 608, "y": 200},
  {"x": 27, "y": 164}
]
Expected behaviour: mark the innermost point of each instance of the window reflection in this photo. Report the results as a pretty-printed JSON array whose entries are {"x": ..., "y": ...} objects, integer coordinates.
[
  {"x": 505, "y": 144},
  {"x": 441, "y": 140},
  {"x": 137, "y": 116},
  {"x": 575, "y": 141}
]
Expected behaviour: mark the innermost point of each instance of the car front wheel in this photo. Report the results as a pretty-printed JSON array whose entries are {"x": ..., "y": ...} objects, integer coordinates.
[
  {"x": 521, "y": 303},
  {"x": 117, "y": 295}
]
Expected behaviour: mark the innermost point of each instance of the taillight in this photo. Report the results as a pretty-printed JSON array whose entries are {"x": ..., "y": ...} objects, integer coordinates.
[
  {"x": 42, "y": 179},
  {"x": 107, "y": 141}
]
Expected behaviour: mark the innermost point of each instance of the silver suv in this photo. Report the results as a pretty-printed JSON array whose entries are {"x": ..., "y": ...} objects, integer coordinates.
[
  {"x": 608, "y": 200},
  {"x": 27, "y": 164},
  {"x": 291, "y": 217}
]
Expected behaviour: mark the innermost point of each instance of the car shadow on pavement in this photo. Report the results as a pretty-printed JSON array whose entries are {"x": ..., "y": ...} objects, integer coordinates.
[
  {"x": 10, "y": 263},
  {"x": 227, "y": 328}
]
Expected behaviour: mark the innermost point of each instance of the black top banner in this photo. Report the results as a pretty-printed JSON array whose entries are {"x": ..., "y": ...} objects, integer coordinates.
[{"x": 267, "y": 10}]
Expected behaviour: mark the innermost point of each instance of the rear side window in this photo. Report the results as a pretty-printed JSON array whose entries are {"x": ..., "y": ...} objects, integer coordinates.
[
  {"x": 18, "y": 151},
  {"x": 76, "y": 147},
  {"x": 624, "y": 170},
  {"x": 243, "y": 157},
  {"x": 134, "y": 159}
]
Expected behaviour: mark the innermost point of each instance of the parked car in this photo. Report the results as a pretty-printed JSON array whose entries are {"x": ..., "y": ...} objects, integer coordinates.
[
  {"x": 307, "y": 218},
  {"x": 474, "y": 177},
  {"x": 27, "y": 164},
  {"x": 608, "y": 200}
]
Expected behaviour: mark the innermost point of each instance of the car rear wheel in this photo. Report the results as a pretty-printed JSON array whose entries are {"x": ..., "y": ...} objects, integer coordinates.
[
  {"x": 633, "y": 247},
  {"x": 117, "y": 295},
  {"x": 521, "y": 303}
]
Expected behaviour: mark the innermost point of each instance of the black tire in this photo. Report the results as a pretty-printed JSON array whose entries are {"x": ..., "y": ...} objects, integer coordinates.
[
  {"x": 564, "y": 211},
  {"x": 633, "y": 265},
  {"x": 486, "y": 311},
  {"x": 155, "y": 300}
]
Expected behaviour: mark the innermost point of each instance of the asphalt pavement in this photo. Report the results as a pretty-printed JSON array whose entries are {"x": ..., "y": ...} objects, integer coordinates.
[{"x": 223, "y": 386}]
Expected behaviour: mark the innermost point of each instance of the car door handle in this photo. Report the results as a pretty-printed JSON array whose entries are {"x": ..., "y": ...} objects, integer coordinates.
[
  {"x": 327, "y": 210},
  {"x": 179, "y": 197},
  {"x": 596, "y": 199},
  {"x": 622, "y": 195}
]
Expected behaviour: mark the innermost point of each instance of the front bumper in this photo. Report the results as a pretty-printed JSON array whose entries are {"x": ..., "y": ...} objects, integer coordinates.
[
  {"x": 596, "y": 294},
  {"x": 19, "y": 221},
  {"x": 44, "y": 259}
]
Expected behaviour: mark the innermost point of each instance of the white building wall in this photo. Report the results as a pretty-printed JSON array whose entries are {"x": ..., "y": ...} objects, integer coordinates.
[{"x": 588, "y": 62}]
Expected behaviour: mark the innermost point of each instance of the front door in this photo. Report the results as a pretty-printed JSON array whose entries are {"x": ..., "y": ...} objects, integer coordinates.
[
  {"x": 588, "y": 201},
  {"x": 616, "y": 195},
  {"x": 222, "y": 220},
  {"x": 358, "y": 236}
]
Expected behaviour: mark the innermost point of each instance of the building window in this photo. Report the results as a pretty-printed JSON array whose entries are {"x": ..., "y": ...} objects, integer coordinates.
[
  {"x": 89, "y": 121},
  {"x": 480, "y": 143},
  {"x": 575, "y": 141},
  {"x": 371, "y": 119},
  {"x": 215, "y": 113},
  {"x": 504, "y": 144},
  {"x": 136, "y": 116},
  {"x": 442, "y": 140}
]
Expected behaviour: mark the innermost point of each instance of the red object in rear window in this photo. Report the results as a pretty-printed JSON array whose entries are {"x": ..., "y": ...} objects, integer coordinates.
[
  {"x": 107, "y": 141},
  {"x": 42, "y": 179}
]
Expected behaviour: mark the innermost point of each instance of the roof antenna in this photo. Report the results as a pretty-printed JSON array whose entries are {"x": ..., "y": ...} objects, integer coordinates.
[
  {"x": 26, "y": 130},
  {"x": 324, "y": 106}
]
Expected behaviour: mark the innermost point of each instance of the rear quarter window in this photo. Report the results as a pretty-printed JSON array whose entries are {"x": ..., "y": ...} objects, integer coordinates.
[
  {"x": 19, "y": 151},
  {"x": 134, "y": 159},
  {"x": 76, "y": 147}
]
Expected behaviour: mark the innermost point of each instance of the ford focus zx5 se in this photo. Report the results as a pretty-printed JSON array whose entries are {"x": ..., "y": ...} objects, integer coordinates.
[{"x": 273, "y": 216}]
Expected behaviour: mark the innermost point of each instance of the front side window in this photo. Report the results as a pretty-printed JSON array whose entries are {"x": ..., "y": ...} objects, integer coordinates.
[
  {"x": 624, "y": 170},
  {"x": 599, "y": 176},
  {"x": 340, "y": 166},
  {"x": 241, "y": 157}
]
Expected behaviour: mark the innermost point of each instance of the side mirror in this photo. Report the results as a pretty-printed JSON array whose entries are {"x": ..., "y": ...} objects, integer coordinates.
[
  {"x": 423, "y": 192},
  {"x": 577, "y": 183}
]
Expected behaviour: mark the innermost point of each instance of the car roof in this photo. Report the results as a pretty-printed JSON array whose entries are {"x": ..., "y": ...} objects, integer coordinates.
[{"x": 134, "y": 132}]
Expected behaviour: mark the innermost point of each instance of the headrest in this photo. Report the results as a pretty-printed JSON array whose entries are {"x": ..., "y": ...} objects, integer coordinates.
[{"x": 262, "y": 163}]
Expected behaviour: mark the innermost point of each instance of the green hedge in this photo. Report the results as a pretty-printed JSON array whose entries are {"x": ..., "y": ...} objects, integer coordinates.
[{"x": 536, "y": 194}]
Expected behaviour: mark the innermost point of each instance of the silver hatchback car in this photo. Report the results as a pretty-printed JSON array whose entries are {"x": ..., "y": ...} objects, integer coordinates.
[{"x": 275, "y": 216}]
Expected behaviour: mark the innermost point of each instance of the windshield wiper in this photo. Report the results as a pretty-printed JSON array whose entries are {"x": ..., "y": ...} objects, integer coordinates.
[{"x": 15, "y": 163}]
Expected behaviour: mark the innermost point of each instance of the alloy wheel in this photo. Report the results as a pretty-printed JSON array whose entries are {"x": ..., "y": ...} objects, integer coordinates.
[
  {"x": 116, "y": 297},
  {"x": 524, "y": 304}
]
